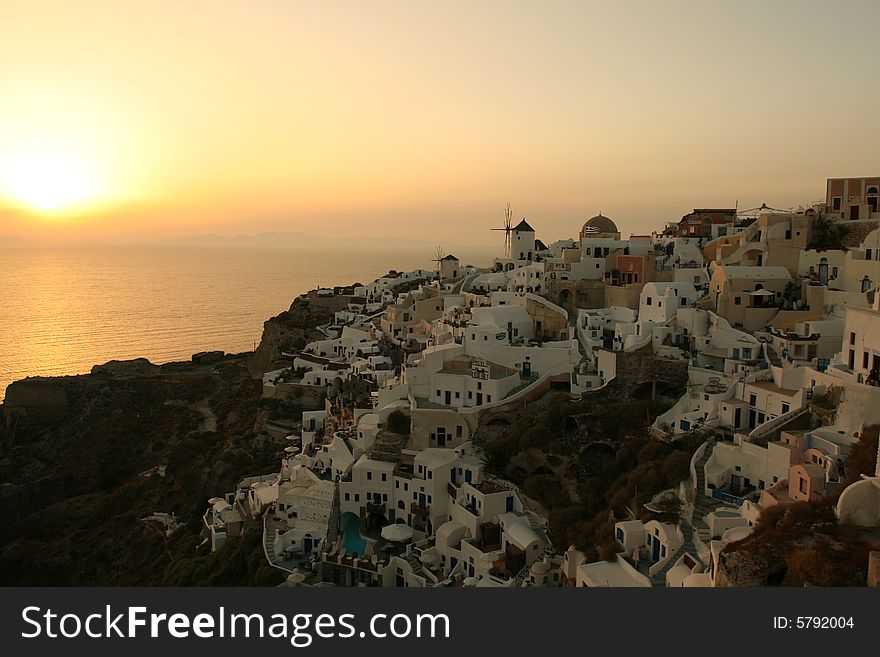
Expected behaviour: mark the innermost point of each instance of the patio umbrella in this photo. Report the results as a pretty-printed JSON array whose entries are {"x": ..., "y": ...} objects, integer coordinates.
[
  {"x": 430, "y": 557},
  {"x": 397, "y": 532}
]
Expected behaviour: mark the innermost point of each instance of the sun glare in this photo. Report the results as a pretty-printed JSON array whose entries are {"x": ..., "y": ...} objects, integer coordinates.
[{"x": 49, "y": 181}]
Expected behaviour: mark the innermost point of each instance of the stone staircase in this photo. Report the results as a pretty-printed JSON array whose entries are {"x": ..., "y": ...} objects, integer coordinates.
[
  {"x": 415, "y": 564},
  {"x": 703, "y": 504},
  {"x": 659, "y": 578}
]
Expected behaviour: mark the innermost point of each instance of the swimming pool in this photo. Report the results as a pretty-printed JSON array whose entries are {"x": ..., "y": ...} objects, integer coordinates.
[{"x": 352, "y": 541}]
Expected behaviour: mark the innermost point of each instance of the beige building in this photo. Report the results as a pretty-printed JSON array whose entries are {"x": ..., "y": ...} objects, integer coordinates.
[{"x": 748, "y": 297}]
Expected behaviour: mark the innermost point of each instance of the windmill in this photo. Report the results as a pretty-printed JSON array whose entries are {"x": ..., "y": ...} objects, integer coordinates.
[
  {"x": 439, "y": 254},
  {"x": 508, "y": 228}
]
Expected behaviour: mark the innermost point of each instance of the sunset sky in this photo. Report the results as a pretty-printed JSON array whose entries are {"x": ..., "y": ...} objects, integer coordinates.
[{"x": 140, "y": 120}]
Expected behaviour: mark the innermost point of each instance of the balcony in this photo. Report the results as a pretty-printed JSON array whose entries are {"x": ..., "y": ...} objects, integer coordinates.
[{"x": 373, "y": 507}]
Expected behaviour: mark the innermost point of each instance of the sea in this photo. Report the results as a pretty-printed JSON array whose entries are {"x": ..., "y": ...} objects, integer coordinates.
[{"x": 65, "y": 309}]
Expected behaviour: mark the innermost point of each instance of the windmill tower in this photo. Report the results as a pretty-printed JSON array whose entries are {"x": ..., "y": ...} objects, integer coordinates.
[
  {"x": 439, "y": 254},
  {"x": 508, "y": 229}
]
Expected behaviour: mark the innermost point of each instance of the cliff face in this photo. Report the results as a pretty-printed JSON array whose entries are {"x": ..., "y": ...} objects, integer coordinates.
[
  {"x": 795, "y": 545},
  {"x": 292, "y": 329},
  {"x": 86, "y": 460}
]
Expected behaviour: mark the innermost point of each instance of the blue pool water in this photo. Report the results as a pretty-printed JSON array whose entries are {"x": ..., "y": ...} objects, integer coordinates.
[{"x": 352, "y": 540}]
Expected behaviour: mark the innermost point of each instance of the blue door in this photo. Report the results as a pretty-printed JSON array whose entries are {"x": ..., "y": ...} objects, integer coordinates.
[
  {"x": 421, "y": 500},
  {"x": 509, "y": 503},
  {"x": 452, "y": 476},
  {"x": 656, "y": 553},
  {"x": 307, "y": 544},
  {"x": 467, "y": 476}
]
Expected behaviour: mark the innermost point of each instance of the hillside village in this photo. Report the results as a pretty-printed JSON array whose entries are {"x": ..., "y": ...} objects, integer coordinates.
[{"x": 771, "y": 318}]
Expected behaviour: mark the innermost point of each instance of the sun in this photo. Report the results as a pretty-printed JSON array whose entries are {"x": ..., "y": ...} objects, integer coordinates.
[{"x": 50, "y": 180}]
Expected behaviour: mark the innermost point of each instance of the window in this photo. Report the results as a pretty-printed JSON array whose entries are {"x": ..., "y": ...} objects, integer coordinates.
[
  {"x": 737, "y": 301},
  {"x": 865, "y": 359},
  {"x": 369, "y": 476},
  {"x": 835, "y": 203},
  {"x": 384, "y": 476},
  {"x": 802, "y": 486},
  {"x": 852, "y": 338},
  {"x": 347, "y": 497},
  {"x": 753, "y": 400},
  {"x": 786, "y": 407},
  {"x": 648, "y": 301}
]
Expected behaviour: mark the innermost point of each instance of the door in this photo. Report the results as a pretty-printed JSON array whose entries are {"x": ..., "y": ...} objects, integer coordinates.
[
  {"x": 751, "y": 419},
  {"x": 509, "y": 506},
  {"x": 526, "y": 369},
  {"x": 737, "y": 418},
  {"x": 467, "y": 476},
  {"x": 479, "y": 399},
  {"x": 448, "y": 398},
  {"x": 421, "y": 500},
  {"x": 735, "y": 484},
  {"x": 656, "y": 551},
  {"x": 854, "y": 212},
  {"x": 307, "y": 544}
]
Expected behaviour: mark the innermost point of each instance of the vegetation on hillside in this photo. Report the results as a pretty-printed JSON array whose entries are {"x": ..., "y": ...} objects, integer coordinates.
[
  {"x": 827, "y": 234},
  {"x": 587, "y": 463}
]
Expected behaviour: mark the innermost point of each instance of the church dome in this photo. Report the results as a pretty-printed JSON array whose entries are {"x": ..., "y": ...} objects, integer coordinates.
[{"x": 599, "y": 224}]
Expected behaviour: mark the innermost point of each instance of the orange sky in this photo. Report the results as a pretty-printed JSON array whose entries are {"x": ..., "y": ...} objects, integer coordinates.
[{"x": 414, "y": 118}]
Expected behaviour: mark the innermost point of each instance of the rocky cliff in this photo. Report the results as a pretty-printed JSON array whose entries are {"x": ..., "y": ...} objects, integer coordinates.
[
  {"x": 86, "y": 462},
  {"x": 292, "y": 329}
]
